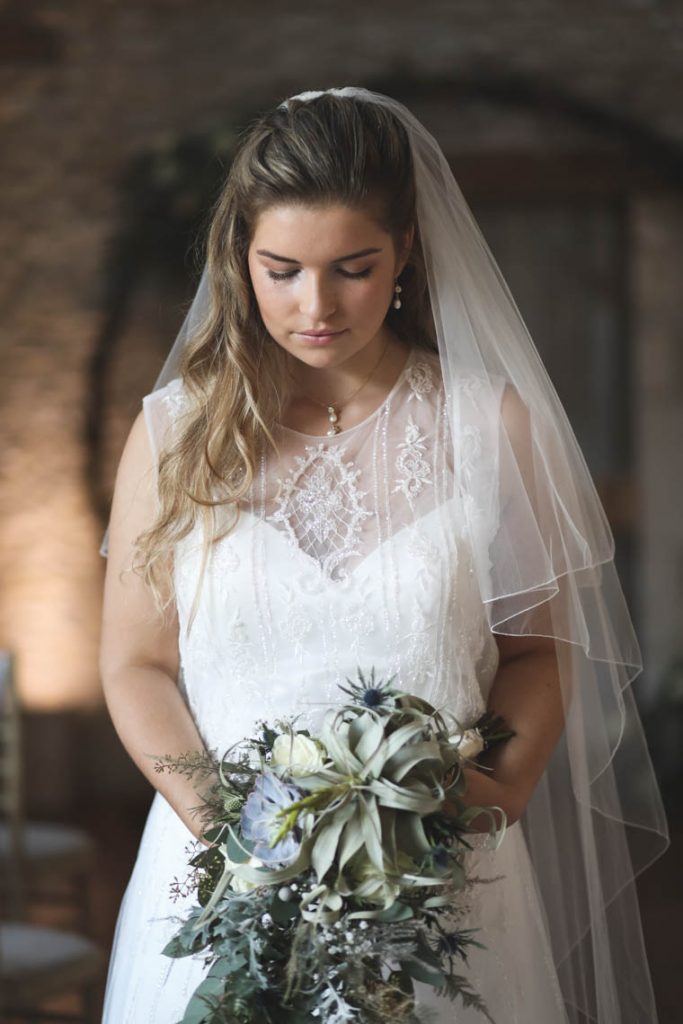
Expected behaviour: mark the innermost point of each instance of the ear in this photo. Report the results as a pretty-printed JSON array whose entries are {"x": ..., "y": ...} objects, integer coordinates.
[{"x": 405, "y": 249}]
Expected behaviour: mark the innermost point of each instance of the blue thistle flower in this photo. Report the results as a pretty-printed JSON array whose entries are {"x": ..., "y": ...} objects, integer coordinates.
[
  {"x": 370, "y": 695},
  {"x": 373, "y": 697}
]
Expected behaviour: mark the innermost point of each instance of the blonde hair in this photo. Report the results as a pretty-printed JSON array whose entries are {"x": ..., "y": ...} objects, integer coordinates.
[{"x": 327, "y": 150}]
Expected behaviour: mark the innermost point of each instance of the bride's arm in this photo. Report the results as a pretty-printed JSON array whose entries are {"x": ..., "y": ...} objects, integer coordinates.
[
  {"x": 139, "y": 655},
  {"x": 526, "y": 692}
]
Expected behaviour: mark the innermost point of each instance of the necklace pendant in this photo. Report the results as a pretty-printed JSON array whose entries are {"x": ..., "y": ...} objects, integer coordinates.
[{"x": 333, "y": 416}]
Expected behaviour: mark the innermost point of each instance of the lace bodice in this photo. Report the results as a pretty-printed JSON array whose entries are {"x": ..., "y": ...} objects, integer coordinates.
[{"x": 349, "y": 552}]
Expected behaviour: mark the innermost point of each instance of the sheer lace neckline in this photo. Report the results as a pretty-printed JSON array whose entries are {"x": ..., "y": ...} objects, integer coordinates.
[{"x": 368, "y": 419}]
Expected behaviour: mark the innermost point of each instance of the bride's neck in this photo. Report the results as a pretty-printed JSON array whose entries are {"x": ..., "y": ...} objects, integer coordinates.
[{"x": 377, "y": 364}]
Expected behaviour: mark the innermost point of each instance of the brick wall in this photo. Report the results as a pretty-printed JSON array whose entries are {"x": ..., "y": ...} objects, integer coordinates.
[{"x": 85, "y": 87}]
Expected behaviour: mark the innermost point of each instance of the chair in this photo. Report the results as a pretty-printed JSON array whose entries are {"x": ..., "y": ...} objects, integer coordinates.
[
  {"x": 53, "y": 853},
  {"x": 36, "y": 963}
]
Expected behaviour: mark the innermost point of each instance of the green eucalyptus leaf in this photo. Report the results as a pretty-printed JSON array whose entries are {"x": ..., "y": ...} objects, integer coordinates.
[
  {"x": 420, "y": 972},
  {"x": 237, "y": 848},
  {"x": 214, "y": 834},
  {"x": 199, "y": 1009},
  {"x": 227, "y": 965},
  {"x": 282, "y": 911},
  {"x": 178, "y": 947},
  {"x": 221, "y": 886}
]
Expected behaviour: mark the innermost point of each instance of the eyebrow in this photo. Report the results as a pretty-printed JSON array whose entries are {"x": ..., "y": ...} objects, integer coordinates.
[{"x": 341, "y": 259}]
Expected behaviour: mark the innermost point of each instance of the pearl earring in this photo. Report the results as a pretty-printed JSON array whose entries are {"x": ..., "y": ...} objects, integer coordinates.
[{"x": 397, "y": 290}]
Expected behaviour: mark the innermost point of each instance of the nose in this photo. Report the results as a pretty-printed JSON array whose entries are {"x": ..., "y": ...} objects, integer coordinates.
[{"x": 317, "y": 300}]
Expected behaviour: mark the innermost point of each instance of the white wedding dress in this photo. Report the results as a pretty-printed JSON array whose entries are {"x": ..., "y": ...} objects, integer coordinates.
[{"x": 348, "y": 553}]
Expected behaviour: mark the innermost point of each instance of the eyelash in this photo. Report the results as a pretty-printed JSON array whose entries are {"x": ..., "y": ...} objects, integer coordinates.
[{"x": 286, "y": 275}]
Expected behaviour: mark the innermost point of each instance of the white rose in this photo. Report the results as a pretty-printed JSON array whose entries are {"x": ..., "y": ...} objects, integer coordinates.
[
  {"x": 238, "y": 884},
  {"x": 241, "y": 884},
  {"x": 469, "y": 743},
  {"x": 299, "y": 754}
]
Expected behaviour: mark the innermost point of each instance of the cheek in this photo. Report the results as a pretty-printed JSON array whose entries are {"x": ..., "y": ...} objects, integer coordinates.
[
  {"x": 269, "y": 298},
  {"x": 372, "y": 295}
]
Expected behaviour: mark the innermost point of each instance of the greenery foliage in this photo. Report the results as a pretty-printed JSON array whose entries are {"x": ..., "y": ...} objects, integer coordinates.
[{"x": 335, "y": 879}]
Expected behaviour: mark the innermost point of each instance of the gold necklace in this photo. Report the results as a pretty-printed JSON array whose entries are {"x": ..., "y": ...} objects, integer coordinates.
[{"x": 334, "y": 409}]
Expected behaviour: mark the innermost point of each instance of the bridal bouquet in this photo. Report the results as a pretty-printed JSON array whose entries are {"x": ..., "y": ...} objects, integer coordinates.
[{"x": 334, "y": 881}]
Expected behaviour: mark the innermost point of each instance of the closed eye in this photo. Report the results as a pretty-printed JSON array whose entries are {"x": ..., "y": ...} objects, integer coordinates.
[
  {"x": 281, "y": 274},
  {"x": 358, "y": 273},
  {"x": 286, "y": 274}
]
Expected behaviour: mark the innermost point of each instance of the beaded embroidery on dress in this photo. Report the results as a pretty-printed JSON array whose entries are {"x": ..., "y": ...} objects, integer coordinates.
[{"x": 349, "y": 551}]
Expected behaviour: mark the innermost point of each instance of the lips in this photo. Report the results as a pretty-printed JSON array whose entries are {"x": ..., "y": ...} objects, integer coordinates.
[
  {"x": 318, "y": 338},
  {"x": 319, "y": 334}
]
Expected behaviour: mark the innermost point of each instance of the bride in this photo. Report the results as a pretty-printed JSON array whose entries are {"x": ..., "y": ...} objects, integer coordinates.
[{"x": 353, "y": 456}]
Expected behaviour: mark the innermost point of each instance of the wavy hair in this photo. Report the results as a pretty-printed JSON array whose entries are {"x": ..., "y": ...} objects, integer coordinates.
[{"x": 327, "y": 150}]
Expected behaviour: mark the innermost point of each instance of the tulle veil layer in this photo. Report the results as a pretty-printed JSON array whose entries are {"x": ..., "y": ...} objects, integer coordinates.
[{"x": 544, "y": 557}]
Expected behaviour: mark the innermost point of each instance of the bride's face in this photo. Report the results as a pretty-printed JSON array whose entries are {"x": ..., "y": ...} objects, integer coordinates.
[{"x": 323, "y": 269}]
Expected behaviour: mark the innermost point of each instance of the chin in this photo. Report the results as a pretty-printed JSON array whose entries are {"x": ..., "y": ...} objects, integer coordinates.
[{"x": 328, "y": 351}]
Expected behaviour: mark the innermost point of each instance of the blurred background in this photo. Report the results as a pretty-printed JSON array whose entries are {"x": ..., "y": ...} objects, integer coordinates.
[{"x": 564, "y": 127}]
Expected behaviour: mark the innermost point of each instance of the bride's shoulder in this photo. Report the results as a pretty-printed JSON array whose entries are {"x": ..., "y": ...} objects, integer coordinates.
[
  {"x": 422, "y": 373},
  {"x": 163, "y": 410},
  {"x": 171, "y": 399},
  {"x": 476, "y": 396}
]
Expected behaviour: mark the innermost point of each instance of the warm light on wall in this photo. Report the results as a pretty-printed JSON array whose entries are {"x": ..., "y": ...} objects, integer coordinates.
[{"x": 50, "y": 603}]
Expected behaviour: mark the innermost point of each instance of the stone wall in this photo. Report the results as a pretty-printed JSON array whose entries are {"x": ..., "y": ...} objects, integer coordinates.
[
  {"x": 86, "y": 87},
  {"x": 658, "y": 412}
]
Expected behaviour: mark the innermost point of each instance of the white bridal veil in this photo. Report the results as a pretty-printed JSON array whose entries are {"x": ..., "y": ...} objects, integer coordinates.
[{"x": 596, "y": 818}]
